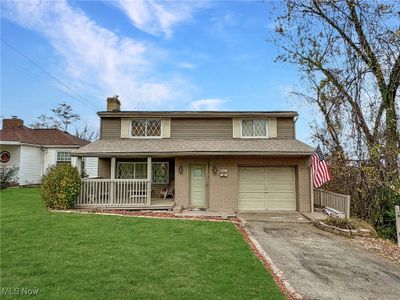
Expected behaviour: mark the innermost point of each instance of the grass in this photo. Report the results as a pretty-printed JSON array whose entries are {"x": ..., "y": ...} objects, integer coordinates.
[{"x": 72, "y": 256}]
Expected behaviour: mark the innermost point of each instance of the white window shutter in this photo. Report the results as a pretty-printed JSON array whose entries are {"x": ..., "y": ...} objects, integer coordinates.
[
  {"x": 166, "y": 128},
  {"x": 236, "y": 128},
  {"x": 272, "y": 128},
  {"x": 124, "y": 128}
]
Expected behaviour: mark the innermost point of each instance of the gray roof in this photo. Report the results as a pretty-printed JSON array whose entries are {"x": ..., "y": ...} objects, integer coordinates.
[
  {"x": 198, "y": 114},
  {"x": 180, "y": 147}
]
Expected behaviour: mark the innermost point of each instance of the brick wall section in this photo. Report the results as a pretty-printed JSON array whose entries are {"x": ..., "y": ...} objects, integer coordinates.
[{"x": 223, "y": 191}]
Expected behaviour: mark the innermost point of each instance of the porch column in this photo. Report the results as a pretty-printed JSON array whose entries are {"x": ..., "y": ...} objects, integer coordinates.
[
  {"x": 149, "y": 173},
  {"x": 112, "y": 183},
  {"x": 78, "y": 164}
]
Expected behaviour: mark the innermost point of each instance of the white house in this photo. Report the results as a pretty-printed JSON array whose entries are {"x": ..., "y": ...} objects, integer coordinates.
[{"x": 32, "y": 151}]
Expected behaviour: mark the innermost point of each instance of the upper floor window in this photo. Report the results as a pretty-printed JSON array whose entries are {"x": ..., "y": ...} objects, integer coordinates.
[
  {"x": 145, "y": 128},
  {"x": 63, "y": 157},
  {"x": 254, "y": 128}
]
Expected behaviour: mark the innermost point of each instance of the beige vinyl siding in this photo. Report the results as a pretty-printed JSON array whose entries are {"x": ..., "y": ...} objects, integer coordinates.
[
  {"x": 115, "y": 128},
  {"x": 110, "y": 128},
  {"x": 201, "y": 128},
  {"x": 104, "y": 168},
  {"x": 285, "y": 128}
]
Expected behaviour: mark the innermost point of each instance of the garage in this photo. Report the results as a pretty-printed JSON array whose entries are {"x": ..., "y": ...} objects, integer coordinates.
[{"x": 267, "y": 188}]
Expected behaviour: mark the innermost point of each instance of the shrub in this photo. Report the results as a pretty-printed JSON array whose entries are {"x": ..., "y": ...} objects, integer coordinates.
[
  {"x": 384, "y": 217},
  {"x": 349, "y": 224},
  {"x": 7, "y": 176},
  {"x": 60, "y": 186}
]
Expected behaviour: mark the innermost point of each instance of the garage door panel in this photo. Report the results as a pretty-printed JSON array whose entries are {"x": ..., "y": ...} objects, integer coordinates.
[
  {"x": 281, "y": 201},
  {"x": 267, "y": 188},
  {"x": 252, "y": 201}
]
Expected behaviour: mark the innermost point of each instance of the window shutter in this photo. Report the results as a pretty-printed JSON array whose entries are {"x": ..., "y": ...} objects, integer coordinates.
[
  {"x": 166, "y": 128},
  {"x": 125, "y": 128},
  {"x": 236, "y": 127},
  {"x": 272, "y": 128}
]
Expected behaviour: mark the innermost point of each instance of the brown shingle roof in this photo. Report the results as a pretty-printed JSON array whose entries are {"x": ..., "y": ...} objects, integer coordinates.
[
  {"x": 124, "y": 147},
  {"x": 28, "y": 135}
]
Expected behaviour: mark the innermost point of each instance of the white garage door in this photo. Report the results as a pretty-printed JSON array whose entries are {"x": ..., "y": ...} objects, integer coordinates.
[{"x": 267, "y": 188}]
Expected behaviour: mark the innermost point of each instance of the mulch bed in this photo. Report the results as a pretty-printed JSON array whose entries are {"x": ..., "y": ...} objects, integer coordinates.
[
  {"x": 157, "y": 214},
  {"x": 379, "y": 246}
]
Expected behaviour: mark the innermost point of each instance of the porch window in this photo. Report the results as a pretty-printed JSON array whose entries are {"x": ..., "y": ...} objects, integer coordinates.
[
  {"x": 254, "y": 128},
  {"x": 63, "y": 157},
  {"x": 160, "y": 172},
  {"x": 132, "y": 170},
  {"x": 145, "y": 128},
  {"x": 138, "y": 170}
]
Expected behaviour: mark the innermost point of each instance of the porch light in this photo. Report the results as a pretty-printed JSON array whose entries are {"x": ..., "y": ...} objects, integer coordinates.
[
  {"x": 180, "y": 169},
  {"x": 215, "y": 170}
]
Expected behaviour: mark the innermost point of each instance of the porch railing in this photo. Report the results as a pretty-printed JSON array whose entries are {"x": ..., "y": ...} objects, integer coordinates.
[
  {"x": 114, "y": 193},
  {"x": 334, "y": 200}
]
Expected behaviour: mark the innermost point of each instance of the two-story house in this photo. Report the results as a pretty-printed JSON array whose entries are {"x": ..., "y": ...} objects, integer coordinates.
[{"x": 215, "y": 160}]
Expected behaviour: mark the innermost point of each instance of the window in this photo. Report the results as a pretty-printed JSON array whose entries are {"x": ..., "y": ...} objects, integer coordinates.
[
  {"x": 138, "y": 170},
  {"x": 63, "y": 157},
  {"x": 254, "y": 128},
  {"x": 132, "y": 170},
  {"x": 145, "y": 128},
  {"x": 160, "y": 172}
]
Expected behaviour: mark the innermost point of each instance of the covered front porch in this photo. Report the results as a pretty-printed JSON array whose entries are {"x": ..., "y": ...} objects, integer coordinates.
[{"x": 130, "y": 183}]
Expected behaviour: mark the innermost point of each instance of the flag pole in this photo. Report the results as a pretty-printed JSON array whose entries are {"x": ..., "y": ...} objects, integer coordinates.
[{"x": 311, "y": 188}]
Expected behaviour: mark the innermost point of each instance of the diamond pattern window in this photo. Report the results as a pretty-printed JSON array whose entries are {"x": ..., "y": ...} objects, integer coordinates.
[
  {"x": 160, "y": 172},
  {"x": 63, "y": 157},
  {"x": 254, "y": 128},
  {"x": 146, "y": 128}
]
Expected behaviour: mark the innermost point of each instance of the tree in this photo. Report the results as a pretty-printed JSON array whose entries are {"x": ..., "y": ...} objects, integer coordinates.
[
  {"x": 349, "y": 53},
  {"x": 44, "y": 121},
  {"x": 87, "y": 133},
  {"x": 62, "y": 117},
  {"x": 65, "y": 115}
]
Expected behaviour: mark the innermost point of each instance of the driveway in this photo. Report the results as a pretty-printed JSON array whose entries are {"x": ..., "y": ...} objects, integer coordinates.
[{"x": 322, "y": 265}]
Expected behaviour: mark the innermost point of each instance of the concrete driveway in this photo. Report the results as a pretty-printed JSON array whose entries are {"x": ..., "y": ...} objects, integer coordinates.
[{"x": 322, "y": 265}]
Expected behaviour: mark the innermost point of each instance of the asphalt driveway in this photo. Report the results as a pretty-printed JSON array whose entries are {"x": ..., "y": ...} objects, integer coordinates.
[{"x": 322, "y": 265}]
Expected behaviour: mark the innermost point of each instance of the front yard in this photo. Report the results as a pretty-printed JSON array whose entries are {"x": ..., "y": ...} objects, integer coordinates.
[{"x": 71, "y": 256}]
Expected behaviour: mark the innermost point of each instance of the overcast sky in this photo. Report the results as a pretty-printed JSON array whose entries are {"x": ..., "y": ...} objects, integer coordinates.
[{"x": 195, "y": 55}]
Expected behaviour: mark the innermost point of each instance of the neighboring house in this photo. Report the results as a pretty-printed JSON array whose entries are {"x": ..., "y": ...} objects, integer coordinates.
[
  {"x": 218, "y": 160},
  {"x": 32, "y": 151}
]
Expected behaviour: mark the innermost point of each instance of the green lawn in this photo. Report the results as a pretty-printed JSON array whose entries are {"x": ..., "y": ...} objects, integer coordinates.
[{"x": 71, "y": 256}]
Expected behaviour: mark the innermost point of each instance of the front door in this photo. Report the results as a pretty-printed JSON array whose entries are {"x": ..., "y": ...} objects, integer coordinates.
[{"x": 198, "y": 186}]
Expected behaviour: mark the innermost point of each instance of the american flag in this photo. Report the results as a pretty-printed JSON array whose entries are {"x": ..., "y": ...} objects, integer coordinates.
[{"x": 320, "y": 169}]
